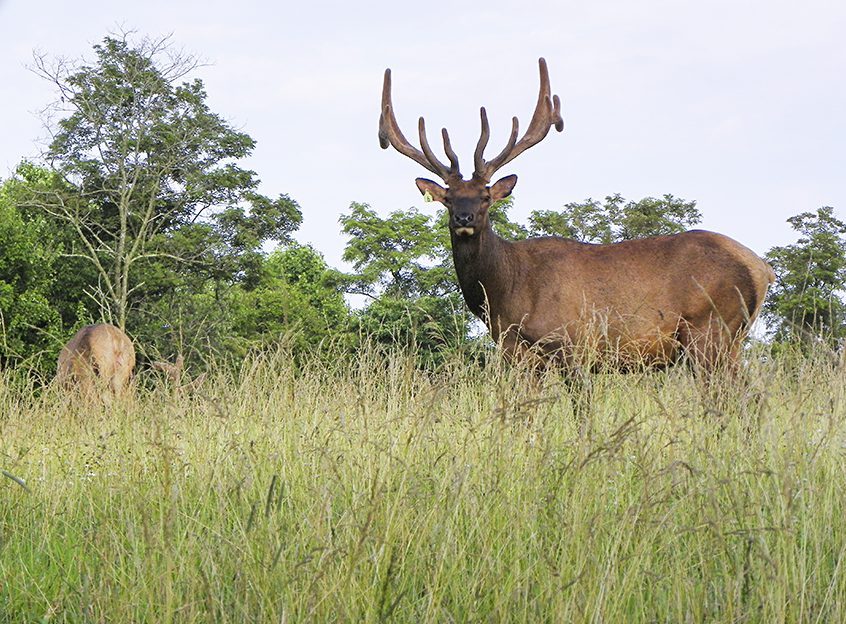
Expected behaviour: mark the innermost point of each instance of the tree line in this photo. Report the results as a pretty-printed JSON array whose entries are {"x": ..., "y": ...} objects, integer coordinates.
[{"x": 140, "y": 214}]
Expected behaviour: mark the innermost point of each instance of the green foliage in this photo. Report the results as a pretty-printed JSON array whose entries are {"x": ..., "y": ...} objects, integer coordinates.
[
  {"x": 502, "y": 223},
  {"x": 403, "y": 265},
  {"x": 151, "y": 185},
  {"x": 431, "y": 326},
  {"x": 587, "y": 221},
  {"x": 27, "y": 320},
  {"x": 40, "y": 302},
  {"x": 616, "y": 220},
  {"x": 657, "y": 217},
  {"x": 72, "y": 277},
  {"x": 291, "y": 296},
  {"x": 395, "y": 255},
  {"x": 297, "y": 295},
  {"x": 240, "y": 235},
  {"x": 806, "y": 302}
]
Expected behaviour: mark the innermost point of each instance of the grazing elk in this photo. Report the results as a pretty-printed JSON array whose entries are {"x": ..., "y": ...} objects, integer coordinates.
[
  {"x": 639, "y": 301},
  {"x": 98, "y": 361}
]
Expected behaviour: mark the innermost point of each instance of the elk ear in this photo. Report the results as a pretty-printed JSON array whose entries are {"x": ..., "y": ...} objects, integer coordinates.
[
  {"x": 434, "y": 190},
  {"x": 503, "y": 187}
]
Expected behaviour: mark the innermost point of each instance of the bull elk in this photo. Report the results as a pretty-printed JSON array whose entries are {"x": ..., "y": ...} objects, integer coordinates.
[
  {"x": 98, "y": 361},
  {"x": 648, "y": 300}
]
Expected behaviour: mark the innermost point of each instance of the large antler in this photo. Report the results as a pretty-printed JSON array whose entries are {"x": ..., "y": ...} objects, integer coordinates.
[
  {"x": 547, "y": 114},
  {"x": 390, "y": 134}
]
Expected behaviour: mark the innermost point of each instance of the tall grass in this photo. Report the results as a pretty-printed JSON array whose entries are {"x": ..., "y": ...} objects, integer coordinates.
[{"x": 371, "y": 490}]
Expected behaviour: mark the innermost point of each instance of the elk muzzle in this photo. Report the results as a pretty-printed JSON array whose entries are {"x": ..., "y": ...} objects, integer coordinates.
[{"x": 462, "y": 224}]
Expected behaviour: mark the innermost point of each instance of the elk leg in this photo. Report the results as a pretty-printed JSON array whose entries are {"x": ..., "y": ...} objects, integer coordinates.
[
  {"x": 714, "y": 353},
  {"x": 580, "y": 389},
  {"x": 710, "y": 348}
]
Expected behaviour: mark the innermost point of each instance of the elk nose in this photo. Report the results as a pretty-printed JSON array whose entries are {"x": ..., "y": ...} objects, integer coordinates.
[{"x": 464, "y": 219}]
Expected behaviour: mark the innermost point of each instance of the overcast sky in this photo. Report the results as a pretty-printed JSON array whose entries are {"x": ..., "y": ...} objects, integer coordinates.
[{"x": 738, "y": 105}]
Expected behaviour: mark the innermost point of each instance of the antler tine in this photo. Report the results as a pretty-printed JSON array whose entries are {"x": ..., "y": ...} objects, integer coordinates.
[
  {"x": 385, "y": 112},
  {"x": 478, "y": 160},
  {"x": 390, "y": 134},
  {"x": 453, "y": 158},
  {"x": 557, "y": 119},
  {"x": 547, "y": 114},
  {"x": 443, "y": 171},
  {"x": 486, "y": 170}
]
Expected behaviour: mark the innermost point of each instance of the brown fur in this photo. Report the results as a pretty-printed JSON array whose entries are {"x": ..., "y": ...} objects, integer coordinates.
[
  {"x": 639, "y": 301},
  {"x": 97, "y": 361}
]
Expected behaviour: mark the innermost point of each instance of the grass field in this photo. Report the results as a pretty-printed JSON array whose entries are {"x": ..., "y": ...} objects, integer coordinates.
[{"x": 376, "y": 491}]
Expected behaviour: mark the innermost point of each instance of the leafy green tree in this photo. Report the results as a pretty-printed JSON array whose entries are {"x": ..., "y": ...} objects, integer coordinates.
[
  {"x": 616, "y": 220},
  {"x": 587, "y": 221},
  {"x": 806, "y": 302},
  {"x": 401, "y": 265},
  {"x": 29, "y": 325},
  {"x": 433, "y": 326},
  {"x": 397, "y": 256},
  {"x": 45, "y": 300},
  {"x": 657, "y": 217},
  {"x": 71, "y": 277},
  {"x": 296, "y": 295},
  {"x": 501, "y": 220},
  {"x": 151, "y": 186}
]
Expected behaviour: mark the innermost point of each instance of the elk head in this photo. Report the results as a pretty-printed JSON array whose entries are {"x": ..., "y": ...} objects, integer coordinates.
[
  {"x": 97, "y": 361},
  {"x": 468, "y": 201}
]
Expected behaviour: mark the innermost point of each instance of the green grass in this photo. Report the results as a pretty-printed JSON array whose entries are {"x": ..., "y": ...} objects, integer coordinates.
[{"x": 376, "y": 491}]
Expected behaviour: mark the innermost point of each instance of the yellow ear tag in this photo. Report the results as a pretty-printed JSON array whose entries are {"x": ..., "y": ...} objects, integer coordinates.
[{"x": 427, "y": 197}]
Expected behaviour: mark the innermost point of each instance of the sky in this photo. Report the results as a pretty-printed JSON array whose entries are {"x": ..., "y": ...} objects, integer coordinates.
[{"x": 739, "y": 105}]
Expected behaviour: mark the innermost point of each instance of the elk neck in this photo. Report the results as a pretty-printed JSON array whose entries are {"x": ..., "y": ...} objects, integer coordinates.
[{"x": 483, "y": 265}]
